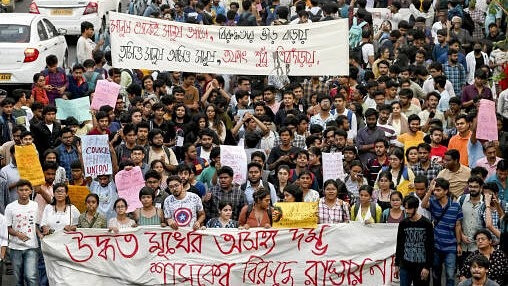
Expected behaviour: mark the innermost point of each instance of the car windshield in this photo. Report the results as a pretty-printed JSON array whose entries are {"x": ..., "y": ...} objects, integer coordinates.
[{"x": 10, "y": 33}]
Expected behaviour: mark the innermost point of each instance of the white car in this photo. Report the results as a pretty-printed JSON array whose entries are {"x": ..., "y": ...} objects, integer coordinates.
[
  {"x": 69, "y": 14},
  {"x": 25, "y": 41}
]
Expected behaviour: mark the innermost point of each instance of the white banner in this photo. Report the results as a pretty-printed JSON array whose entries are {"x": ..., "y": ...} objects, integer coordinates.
[
  {"x": 308, "y": 49},
  {"x": 343, "y": 254},
  {"x": 96, "y": 155}
]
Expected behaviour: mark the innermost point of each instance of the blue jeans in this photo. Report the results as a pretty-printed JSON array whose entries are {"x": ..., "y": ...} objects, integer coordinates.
[
  {"x": 24, "y": 263},
  {"x": 449, "y": 263},
  {"x": 408, "y": 276}
]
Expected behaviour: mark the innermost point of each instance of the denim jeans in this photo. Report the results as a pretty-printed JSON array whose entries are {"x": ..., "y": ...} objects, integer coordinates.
[
  {"x": 412, "y": 275},
  {"x": 449, "y": 264},
  {"x": 24, "y": 263}
]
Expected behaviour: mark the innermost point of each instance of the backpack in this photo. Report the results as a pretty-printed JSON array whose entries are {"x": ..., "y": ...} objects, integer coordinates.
[
  {"x": 462, "y": 199},
  {"x": 372, "y": 210},
  {"x": 316, "y": 17},
  {"x": 357, "y": 52},
  {"x": 249, "y": 210},
  {"x": 468, "y": 23},
  {"x": 355, "y": 32},
  {"x": 350, "y": 117}
]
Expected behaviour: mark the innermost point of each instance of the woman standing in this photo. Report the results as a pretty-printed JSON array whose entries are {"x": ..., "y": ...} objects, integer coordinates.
[
  {"x": 365, "y": 210},
  {"x": 355, "y": 179},
  {"x": 331, "y": 209},
  {"x": 293, "y": 194},
  {"x": 384, "y": 190},
  {"x": 60, "y": 214},
  {"x": 224, "y": 219},
  {"x": 394, "y": 214},
  {"x": 257, "y": 214},
  {"x": 411, "y": 156},
  {"x": 91, "y": 218},
  {"x": 497, "y": 258},
  {"x": 282, "y": 180},
  {"x": 215, "y": 123},
  {"x": 148, "y": 90},
  {"x": 181, "y": 117},
  {"x": 305, "y": 181},
  {"x": 158, "y": 166},
  {"x": 397, "y": 119},
  {"x": 121, "y": 221},
  {"x": 400, "y": 172},
  {"x": 148, "y": 214}
]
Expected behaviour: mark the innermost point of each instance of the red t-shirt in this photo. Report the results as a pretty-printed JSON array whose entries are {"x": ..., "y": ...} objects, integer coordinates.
[
  {"x": 438, "y": 151},
  {"x": 96, "y": 132}
]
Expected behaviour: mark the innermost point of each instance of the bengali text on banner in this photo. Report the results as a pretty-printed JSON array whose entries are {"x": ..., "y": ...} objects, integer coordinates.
[
  {"x": 308, "y": 49},
  {"x": 343, "y": 254}
]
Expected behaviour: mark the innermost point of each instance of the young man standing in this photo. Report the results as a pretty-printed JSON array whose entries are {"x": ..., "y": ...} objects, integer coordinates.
[
  {"x": 375, "y": 165},
  {"x": 21, "y": 217},
  {"x": 461, "y": 139},
  {"x": 437, "y": 150},
  {"x": 324, "y": 116},
  {"x": 67, "y": 152},
  {"x": 86, "y": 46},
  {"x": 425, "y": 166},
  {"x": 285, "y": 153},
  {"x": 191, "y": 99},
  {"x": 339, "y": 102},
  {"x": 414, "y": 136},
  {"x": 368, "y": 136},
  {"x": 415, "y": 242},
  {"x": 455, "y": 173},
  {"x": 470, "y": 204},
  {"x": 431, "y": 112},
  {"x": 447, "y": 216},
  {"x": 182, "y": 209}
]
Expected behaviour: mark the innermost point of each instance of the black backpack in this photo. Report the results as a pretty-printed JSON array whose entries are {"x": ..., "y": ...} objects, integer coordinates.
[
  {"x": 468, "y": 23},
  {"x": 358, "y": 53}
]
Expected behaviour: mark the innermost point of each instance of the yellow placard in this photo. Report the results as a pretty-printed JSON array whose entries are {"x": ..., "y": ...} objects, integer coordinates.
[
  {"x": 77, "y": 195},
  {"x": 295, "y": 215},
  {"x": 405, "y": 188},
  {"x": 29, "y": 167}
]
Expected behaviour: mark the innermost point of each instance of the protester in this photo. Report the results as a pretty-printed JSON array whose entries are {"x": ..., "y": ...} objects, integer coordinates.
[
  {"x": 91, "y": 218},
  {"x": 331, "y": 209}
]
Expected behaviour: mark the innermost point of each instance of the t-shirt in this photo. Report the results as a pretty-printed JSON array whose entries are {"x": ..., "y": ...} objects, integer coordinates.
[
  {"x": 57, "y": 220},
  {"x": 184, "y": 211},
  {"x": 414, "y": 243},
  {"x": 22, "y": 218},
  {"x": 367, "y": 50},
  {"x": 191, "y": 95},
  {"x": 444, "y": 224}
]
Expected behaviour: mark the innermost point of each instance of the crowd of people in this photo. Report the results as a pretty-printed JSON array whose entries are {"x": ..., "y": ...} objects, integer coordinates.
[{"x": 405, "y": 120}]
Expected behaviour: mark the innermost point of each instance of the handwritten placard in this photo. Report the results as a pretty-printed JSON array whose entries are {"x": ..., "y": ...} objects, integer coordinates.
[
  {"x": 79, "y": 108},
  {"x": 77, "y": 195},
  {"x": 106, "y": 93},
  {"x": 295, "y": 215},
  {"x": 333, "y": 166},
  {"x": 96, "y": 155},
  {"x": 487, "y": 122},
  {"x": 235, "y": 157},
  {"x": 128, "y": 184},
  {"x": 336, "y": 254},
  {"x": 28, "y": 164},
  {"x": 319, "y": 48}
]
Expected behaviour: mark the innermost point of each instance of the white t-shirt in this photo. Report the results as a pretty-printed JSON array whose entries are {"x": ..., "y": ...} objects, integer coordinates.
[
  {"x": 367, "y": 50},
  {"x": 4, "y": 234},
  {"x": 184, "y": 211},
  {"x": 84, "y": 49},
  {"x": 22, "y": 218},
  {"x": 57, "y": 220}
]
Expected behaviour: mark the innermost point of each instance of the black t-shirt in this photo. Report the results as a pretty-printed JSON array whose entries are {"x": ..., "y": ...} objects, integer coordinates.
[{"x": 277, "y": 152}]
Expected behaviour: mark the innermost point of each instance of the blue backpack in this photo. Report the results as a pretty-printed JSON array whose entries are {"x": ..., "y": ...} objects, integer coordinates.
[{"x": 355, "y": 33}]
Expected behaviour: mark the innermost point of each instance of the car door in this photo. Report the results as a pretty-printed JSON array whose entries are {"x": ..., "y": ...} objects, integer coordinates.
[
  {"x": 52, "y": 42},
  {"x": 57, "y": 40},
  {"x": 44, "y": 42}
]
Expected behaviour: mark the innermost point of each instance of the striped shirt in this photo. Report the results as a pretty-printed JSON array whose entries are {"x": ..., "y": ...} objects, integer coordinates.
[{"x": 444, "y": 224}]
